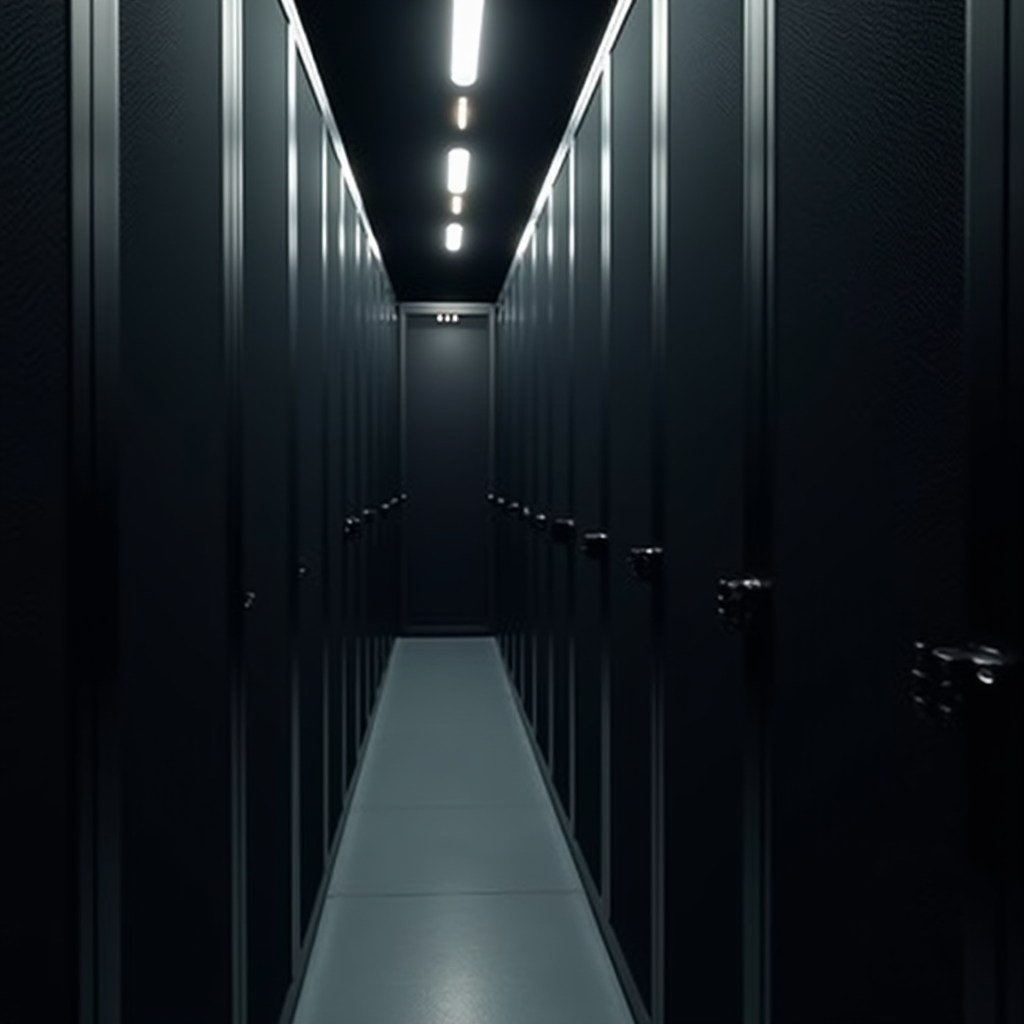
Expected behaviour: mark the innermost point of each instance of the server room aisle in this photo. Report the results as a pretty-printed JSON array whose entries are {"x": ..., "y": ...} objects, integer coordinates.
[{"x": 454, "y": 899}]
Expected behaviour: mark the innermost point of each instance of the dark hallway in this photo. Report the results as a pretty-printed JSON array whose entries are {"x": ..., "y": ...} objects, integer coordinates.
[{"x": 584, "y": 590}]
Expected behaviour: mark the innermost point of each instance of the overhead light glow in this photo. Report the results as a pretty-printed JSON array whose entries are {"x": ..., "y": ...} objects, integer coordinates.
[
  {"x": 456, "y": 205},
  {"x": 440, "y": 318},
  {"x": 467, "y": 20},
  {"x": 453, "y": 238},
  {"x": 455, "y": 318},
  {"x": 458, "y": 170},
  {"x": 462, "y": 114}
]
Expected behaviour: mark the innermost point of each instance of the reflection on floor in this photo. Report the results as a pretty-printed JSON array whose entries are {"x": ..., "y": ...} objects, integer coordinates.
[{"x": 454, "y": 899}]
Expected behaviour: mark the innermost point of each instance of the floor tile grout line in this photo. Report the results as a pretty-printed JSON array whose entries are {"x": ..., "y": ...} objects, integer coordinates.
[{"x": 454, "y": 893}]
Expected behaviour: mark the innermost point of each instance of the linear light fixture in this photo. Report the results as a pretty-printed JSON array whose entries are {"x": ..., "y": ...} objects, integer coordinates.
[
  {"x": 467, "y": 20},
  {"x": 456, "y": 205},
  {"x": 453, "y": 237},
  {"x": 462, "y": 113},
  {"x": 458, "y": 170}
]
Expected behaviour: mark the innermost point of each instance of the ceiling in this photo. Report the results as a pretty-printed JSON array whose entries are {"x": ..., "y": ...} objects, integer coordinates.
[{"x": 385, "y": 66}]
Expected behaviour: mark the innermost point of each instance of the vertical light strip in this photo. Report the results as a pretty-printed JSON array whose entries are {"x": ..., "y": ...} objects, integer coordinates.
[
  {"x": 606, "y": 274},
  {"x": 232, "y": 178},
  {"x": 293, "y": 327},
  {"x": 659, "y": 383},
  {"x": 462, "y": 113}
]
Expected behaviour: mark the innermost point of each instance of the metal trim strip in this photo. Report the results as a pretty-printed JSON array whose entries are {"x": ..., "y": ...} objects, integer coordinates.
[
  {"x": 605, "y": 445},
  {"x": 659, "y": 382},
  {"x": 570, "y": 357},
  {"x": 759, "y": 243},
  {"x": 232, "y": 157},
  {"x": 326, "y": 547},
  {"x": 590, "y": 86},
  {"x": 305, "y": 54},
  {"x": 293, "y": 269}
]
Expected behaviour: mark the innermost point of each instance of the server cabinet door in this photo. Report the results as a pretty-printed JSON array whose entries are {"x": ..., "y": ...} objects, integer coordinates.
[
  {"x": 870, "y": 539},
  {"x": 174, "y": 723},
  {"x": 703, "y": 396},
  {"x": 310, "y": 493},
  {"x": 335, "y": 508},
  {"x": 630, "y": 506},
  {"x": 541, "y": 501},
  {"x": 518, "y": 445},
  {"x": 531, "y": 411},
  {"x": 352, "y": 528},
  {"x": 559, "y": 495},
  {"x": 589, "y": 379},
  {"x": 266, "y": 405}
]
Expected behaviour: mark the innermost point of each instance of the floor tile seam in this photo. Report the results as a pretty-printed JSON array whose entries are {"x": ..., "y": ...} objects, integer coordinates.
[
  {"x": 455, "y": 893},
  {"x": 360, "y": 805}
]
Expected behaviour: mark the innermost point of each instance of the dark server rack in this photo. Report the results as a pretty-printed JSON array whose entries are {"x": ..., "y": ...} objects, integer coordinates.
[
  {"x": 782, "y": 510},
  {"x": 197, "y": 609}
]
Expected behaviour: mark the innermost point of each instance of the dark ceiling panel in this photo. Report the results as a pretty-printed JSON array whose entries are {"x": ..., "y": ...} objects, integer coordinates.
[{"x": 384, "y": 64}]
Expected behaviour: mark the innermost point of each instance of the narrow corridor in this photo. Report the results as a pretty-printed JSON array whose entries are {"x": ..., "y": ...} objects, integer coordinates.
[{"x": 454, "y": 898}]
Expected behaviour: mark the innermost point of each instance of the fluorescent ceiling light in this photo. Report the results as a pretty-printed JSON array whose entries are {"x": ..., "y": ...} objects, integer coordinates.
[
  {"x": 458, "y": 170},
  {"x": 462, "y": 113},
  {"x": 453, "y": 238},
  {"x": 456, "y": 205},
  {"x": 467, "y": 20}
]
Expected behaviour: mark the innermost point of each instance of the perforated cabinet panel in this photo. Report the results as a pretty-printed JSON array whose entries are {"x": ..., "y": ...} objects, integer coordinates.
[
  {"x": 175, "y": 711},
  {"x": 37, "y": 928},
  {"x": 871, "y": 482},
  {"x": 704, "y": 395}
]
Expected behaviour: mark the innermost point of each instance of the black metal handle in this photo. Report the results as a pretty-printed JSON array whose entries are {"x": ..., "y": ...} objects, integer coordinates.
[
  {"x": 562, "y": 531},
  {"x": 513, "y": 507},
  {"x": 369, "y": 514},
  {"x": 540, "y": 522},
  {"x": 595, "y": 546},
  {"x": 525, "y": 512},
  {"x": 249, "y": 599},
  {"x": 944, "y": 679},
  {"x": 385, "y": 509},
  {"x": 646, "y": 564},
  {"x": 741, "y": 600},
  {"x": 352, "y": 526},
  {"x": 491, "y": 498},
  {"x": 500, "y": 502}
]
